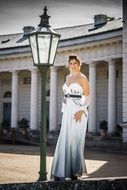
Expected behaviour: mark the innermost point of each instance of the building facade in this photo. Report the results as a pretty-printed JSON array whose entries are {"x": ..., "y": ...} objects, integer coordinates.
[{"x": 102, "y": 48}]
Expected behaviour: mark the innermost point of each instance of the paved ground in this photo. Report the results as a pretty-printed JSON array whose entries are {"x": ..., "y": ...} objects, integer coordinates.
[{"x": 20, "y": 163}]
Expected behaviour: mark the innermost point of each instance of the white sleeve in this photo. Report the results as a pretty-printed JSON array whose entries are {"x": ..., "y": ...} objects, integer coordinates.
[
  {"x": 85, "y": 103},
  {"x": 63, "y": 104},
  {"x": 63, "y": 107}
]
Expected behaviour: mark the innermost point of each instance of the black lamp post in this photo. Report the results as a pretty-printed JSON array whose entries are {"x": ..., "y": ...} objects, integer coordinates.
[{"x": 43, "y": 42}]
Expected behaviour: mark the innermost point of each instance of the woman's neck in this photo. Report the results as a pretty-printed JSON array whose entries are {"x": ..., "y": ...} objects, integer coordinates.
[{"x": 75, "y": 73}]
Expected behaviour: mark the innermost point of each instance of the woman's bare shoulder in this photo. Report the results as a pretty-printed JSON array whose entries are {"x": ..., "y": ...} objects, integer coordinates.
[
  {"x": 83, "y": 77},
  {"x": 67, "y": 76},
  {"x": 85, "y": 84}
]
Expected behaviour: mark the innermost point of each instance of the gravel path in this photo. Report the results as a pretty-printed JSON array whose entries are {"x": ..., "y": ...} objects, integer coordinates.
[{"x": 20, "y": 163}]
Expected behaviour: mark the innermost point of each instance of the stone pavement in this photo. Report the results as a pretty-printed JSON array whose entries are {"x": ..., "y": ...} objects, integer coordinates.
[{"x": 20, "y": 163}]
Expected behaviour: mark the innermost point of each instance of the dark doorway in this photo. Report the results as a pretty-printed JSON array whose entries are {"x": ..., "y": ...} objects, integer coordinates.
[{"x": 7, "y": 111}]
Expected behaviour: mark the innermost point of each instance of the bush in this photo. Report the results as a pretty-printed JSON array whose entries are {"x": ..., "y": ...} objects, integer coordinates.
[
  {"x": 103, "y": 125},
  {"x": 23, "y": 123},
  {"x": 5, "y": 124},
  {"x": 119, "y": 128},
  {"x": 118, "y": 131}
]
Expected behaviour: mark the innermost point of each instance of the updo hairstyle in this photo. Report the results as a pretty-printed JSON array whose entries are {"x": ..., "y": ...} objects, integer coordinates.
[{"x": 74, "y": 56}]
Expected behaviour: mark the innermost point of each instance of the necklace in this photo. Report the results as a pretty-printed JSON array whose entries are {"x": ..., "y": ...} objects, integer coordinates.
[
  {"x": 75, "y": 75},
  {"x": 73, "y": 78}
]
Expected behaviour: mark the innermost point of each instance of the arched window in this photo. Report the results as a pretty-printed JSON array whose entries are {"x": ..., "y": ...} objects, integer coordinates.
[{"x": 7, "y": 94}]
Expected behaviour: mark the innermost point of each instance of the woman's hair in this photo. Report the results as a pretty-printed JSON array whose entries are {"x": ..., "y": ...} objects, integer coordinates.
[{"x": 74, "y": 56}]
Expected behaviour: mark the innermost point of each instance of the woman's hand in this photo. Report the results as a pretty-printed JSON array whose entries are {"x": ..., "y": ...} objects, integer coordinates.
[{"x": 78, "y": 115}]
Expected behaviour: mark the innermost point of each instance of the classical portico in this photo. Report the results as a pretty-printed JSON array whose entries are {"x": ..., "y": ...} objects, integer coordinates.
[
  {"x": 56, "y": 83},
  {"x": 16, "y": 100},
  {"x": 101, "y": 55}
]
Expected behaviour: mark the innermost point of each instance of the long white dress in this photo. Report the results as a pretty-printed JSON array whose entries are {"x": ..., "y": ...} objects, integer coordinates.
[{"x": 69, "y": 153}]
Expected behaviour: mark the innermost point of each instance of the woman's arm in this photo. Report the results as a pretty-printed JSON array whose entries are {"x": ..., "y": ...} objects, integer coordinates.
[
  {"x": 86, "y": 92},
  {"x": 85, "y": 85}
]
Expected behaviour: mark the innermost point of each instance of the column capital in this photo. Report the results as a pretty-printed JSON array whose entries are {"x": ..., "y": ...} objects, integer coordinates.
[
  {"x": 110, "y": 61},
  {"x": 92, "y": 64},
  {"x": 33, "y": 69},
  {"x": 14, "y": 71},
  {"x": 53, "y": 68},
  {"x": 88, "y": 62}
]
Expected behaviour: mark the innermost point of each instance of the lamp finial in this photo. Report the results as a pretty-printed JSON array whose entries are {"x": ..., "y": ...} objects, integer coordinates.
[{"x": 44, "y": 18}]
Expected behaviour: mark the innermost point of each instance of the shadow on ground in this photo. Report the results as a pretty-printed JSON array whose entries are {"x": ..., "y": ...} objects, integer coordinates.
[{"x": 99, "y": 164}]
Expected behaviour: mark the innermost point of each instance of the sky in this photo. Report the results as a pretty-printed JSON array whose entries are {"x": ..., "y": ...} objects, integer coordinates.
[{"x": 15, "y": 14}]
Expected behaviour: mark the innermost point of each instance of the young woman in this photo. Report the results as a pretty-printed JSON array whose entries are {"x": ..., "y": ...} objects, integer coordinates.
[{"x": 68, "y": 159}]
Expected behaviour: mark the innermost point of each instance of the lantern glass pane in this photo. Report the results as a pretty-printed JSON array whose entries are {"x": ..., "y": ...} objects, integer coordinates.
[
  {"x": 43, "y": 46},
  {"x": 54, "y": 44},
  {"x": 34, "y": 48}
]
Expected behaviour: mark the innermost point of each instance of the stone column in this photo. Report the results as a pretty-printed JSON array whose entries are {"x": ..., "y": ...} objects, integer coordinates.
[
  {"x": 92, "y": 108},
  {"x": 33, "y": 103},
  {"x": 53, "y": 99},
  {"x": 111, "y": 96},
  {"x": 14, "y": 106}
]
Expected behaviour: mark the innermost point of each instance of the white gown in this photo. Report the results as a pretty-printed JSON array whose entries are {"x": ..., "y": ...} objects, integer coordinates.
[{"x": 69, "y": 153}]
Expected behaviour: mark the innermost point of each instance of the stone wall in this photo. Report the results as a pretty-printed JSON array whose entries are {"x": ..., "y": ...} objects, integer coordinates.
[
  {"x": 124, "y": 125},
  {"x": 96, "y": 184}
]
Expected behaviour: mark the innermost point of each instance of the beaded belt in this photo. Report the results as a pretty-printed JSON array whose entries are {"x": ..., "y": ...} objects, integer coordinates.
[{"x": 72, "y": 96}]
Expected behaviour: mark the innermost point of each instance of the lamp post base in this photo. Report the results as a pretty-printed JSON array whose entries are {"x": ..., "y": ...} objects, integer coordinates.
[{"x": 42, "y": 176}]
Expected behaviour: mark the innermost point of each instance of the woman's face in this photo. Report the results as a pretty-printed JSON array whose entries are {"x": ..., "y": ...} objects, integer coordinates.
[{"x": 74, "y": 66}]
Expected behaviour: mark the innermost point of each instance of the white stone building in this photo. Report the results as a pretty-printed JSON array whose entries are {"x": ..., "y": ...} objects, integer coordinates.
[{"x": 102, "y": 47}]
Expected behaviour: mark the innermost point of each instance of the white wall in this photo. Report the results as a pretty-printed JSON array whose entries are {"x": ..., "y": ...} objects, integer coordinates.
[{"x": 102, "y": 93}]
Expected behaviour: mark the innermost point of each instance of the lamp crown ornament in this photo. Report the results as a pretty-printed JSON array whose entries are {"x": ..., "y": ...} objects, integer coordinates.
[{"x": 44, "y": 18}]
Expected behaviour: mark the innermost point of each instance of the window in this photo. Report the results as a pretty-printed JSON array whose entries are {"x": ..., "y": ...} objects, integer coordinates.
[
  {"x": 7, "y": 94},
  {"x": 5, "y": 41},
  {"x": 27, "y": 80},
  {"x": 48, "y": 92}
]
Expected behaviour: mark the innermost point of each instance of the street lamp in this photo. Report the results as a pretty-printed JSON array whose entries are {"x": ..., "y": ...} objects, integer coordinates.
[{"x": 43, "y": 42}]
